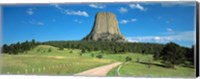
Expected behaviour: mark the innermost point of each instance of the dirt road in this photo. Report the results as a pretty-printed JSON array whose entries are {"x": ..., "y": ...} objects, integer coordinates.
[{"x": 99, "y": 71}]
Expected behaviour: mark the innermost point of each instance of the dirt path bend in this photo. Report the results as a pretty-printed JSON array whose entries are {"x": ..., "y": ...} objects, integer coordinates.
[{"x": 99, "y": 71}]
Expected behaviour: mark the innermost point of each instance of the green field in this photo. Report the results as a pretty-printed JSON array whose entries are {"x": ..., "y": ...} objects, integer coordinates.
[
  {"x": 57, "y": 62},
  {"x": 49, "y": 60},
  {"x": 142, "y": 70},
  {"x": 134, "y": 68}
]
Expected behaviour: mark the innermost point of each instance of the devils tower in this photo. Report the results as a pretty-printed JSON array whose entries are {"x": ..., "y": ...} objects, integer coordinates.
[{"x": 105, "y": 28}]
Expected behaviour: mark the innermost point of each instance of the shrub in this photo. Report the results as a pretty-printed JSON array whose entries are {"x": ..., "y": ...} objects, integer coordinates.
[
  {"x": 92, "y": 55},
  {"x": 83, "y": 51},
  {"x": 49, "y": 50},
  {"x": 99, "y": 56},
  {"x": 61, "y": 48},
  {"x": 128, "y": 58},
  {"x": 80, "y": 54}
]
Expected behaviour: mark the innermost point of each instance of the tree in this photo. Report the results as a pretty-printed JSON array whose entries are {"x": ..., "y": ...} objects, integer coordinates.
[
  {"x": 143, "y": 51},
  {"x": 5, "y": 48},
  {"x": 83, "y": 51},
  {"x": 172, "y": 54},
  {"x": 33, "y": 43},
  {"x": 61, "y": 48},
  {"x": 156, "y": 55},
  {"x": 190, "y": 55},
  {"x": 128, "y": 58}
]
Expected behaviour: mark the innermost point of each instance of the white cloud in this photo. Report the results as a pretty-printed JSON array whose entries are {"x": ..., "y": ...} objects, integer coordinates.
[
  {"x": 137, "y": 6},
  {"x": 179, "y": 36},
  {"x": 170, "y": 4},
  {"x": 38, "y": 23},
  {"x": 123, "y": 10},
  {"x": 133, "y": 20},
  {"x": 30, "y": 11},
  {"x": 57, "y": 6},
  {"x": 79, "y": 13},
  {"x": 71, "y": 12},
  {"x": 169, "y": 30},
  {"x": 77, "y": 21},
  {"x": 97, "y": 6},
  {"x": 124, "y": 21}
]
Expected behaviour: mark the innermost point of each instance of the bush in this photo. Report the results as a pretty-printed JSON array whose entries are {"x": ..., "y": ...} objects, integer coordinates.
[
  {"x": 128, "y": 58},
  {"x": 83, "y": 51},
  {"x": 61, "y": 48},
  {"x": 49, "y": 50},
  {"x": 80, "y": 54},
  {"x": 99, "y": 56},
  {"x": 92, "y": 55}
]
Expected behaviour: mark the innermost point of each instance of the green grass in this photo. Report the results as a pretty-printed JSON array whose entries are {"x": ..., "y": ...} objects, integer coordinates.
[
  {"x": 141, "y": 70},
  {"x": 133, "y": 68},
  {"x": 61, "y": 62},
  {"x": 120, "y": 57},
  {"x": 137, "y": 69},
  {"x": 56, "y": 62}
]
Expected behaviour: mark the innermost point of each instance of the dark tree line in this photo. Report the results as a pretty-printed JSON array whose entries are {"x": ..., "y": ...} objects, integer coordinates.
[
  {"x": 173, "y": 54},
  {"x": 112, "y": 47},
  {"x": 19, "y": 47}
]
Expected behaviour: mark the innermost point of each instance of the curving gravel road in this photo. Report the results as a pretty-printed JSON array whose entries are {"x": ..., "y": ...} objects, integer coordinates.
[{"x": 99, "y": 71}]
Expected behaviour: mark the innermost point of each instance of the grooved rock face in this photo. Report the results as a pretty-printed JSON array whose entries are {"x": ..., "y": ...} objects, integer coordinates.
[{"x": 105, "y": 28}]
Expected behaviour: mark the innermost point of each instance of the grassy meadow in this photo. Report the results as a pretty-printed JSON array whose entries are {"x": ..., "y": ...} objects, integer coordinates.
[
  {"x": 49, "y": 60},
  {"x": 54, "y": 62},
  {"x": 156, "y": 70},
  {"x": 141, "y": 69}
]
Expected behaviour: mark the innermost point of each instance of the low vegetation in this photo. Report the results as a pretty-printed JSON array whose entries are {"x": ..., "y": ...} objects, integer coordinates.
[
  {"x": 56, "y": 62},
  {"x": 70, "y": 57}
]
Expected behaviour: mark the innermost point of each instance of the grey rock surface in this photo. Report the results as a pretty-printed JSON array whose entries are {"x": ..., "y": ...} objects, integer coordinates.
[{"x": 105, "y": 28}]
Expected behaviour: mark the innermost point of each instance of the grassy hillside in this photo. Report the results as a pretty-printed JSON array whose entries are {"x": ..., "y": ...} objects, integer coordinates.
[
  {"x": 49, "y": 60},
  {"x": 141, "y": 69}
]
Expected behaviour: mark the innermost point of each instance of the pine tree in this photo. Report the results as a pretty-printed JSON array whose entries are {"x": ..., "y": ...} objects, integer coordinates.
[{"x": 172, "y": 54}]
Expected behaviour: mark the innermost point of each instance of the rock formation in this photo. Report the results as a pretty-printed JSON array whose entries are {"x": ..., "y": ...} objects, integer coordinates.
[{"x": 105, "y": 28}]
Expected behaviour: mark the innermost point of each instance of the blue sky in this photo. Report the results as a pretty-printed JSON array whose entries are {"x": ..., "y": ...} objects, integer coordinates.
[{"x": 138, "y": 22}]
